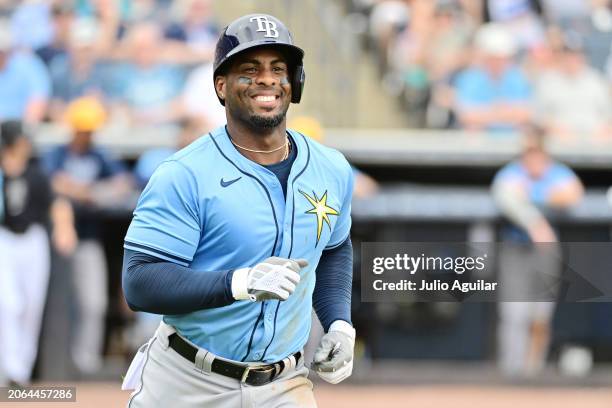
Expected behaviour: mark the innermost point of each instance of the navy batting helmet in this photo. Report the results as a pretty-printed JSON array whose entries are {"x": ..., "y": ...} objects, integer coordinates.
[{"x": 260, "y": 30}]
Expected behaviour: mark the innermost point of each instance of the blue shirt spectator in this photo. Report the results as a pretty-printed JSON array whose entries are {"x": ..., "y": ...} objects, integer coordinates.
[
  {"x": 147, "y": 87},
  {"x": 83, "y": 169},
  {"x": 197, "y": 35},
  {"x": 540, "y": 189},
  {"x": 532, "y": 188},
  {"x": 195, "y": 25},
  {"x": 493, "y": 94},
  {"x": 69, "y": 84},
  {"x": 477, "y": 89},
  {"x": 23, "y": 81},
  {"x": 87, "y": 167}
]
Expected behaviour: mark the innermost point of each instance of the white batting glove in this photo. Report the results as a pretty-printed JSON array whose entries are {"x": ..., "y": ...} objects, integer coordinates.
[
  {"x": 273, "y": 278},
  {"x": 333, "y": 359}
]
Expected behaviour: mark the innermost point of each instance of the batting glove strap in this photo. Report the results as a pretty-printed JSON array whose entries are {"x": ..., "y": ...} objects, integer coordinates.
[{"x": 240, "y": 280}]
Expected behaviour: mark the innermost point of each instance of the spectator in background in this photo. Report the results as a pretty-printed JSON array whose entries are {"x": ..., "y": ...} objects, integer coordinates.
[
  {"x": 520, "y": 18},
  {"x": 190, "y": 130},
  {"x": 527, "y": 192},
  {"x": 387, "y": 19},
  {"x": 32, "y": 25},
  {"x": 598, "y": 35},
  {"x": 493, "y": 94},
  {"x": 25, "y": 259},
  {"x": 146, "y": 89},
  {"x": 91, "y": 179},
  {"x": 447, "y": 53},
  {"x": 128, "y": 11},
  {"x": 77, "y": 73},
  {"x": 200, "y": 99},
  {"x": 24, "y": 81},
  {"x": 449, "y": 40},
  {"x": 573, "y": 100},
  {"x": 194, "y": 28},
  {"x": 408, "y": 58},
  {"x": 61, "y": 18}
]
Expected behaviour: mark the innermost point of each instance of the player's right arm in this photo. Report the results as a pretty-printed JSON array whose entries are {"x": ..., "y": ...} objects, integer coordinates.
[
  {"x": 154, "y": 285},
  {"x": 161, "y": 242}
]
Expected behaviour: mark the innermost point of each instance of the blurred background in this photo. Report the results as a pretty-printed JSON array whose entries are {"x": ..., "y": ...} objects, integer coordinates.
[{"x": 465, "y": 120}]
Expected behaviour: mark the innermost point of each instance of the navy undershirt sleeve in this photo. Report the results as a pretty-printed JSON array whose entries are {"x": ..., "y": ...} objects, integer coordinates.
[
  {"x": 153, "y": 285},
  {"x": 332, "y": 293}
]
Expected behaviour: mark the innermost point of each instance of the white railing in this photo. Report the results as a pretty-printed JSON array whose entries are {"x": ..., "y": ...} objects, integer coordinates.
[{"x": 386, "y": 147}]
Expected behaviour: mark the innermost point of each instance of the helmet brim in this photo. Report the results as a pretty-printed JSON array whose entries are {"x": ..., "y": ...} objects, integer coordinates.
[{"x": 294, "y": 54}]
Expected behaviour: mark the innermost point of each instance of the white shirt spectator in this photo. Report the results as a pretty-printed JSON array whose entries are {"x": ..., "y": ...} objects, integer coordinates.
[
  {"x": 581, "y": 103},
  {"x": 200, "y": 98}
]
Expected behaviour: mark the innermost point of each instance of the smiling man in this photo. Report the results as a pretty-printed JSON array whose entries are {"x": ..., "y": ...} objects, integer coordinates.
[{"x": 236, "y": 238}]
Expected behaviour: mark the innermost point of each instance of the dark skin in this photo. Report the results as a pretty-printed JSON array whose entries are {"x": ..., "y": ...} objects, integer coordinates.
[
  {"x": 257, "y": 95},
  {"x": 81, "y": 142}
]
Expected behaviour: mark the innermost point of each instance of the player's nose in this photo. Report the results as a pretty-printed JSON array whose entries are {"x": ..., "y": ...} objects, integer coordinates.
[{"x": 266, "y": 77}]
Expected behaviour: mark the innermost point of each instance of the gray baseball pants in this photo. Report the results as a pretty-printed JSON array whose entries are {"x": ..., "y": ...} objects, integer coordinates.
[{"x": 166, "y": 379}]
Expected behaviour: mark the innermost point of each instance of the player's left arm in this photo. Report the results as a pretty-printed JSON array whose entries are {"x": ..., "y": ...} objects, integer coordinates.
[{"x": 333, "y": 359}]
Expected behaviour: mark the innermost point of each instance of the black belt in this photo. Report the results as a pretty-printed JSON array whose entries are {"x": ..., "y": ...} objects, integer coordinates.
[{"x": 259, "y": 375}]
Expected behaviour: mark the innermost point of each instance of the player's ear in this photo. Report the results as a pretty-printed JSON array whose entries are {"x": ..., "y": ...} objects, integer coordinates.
[{"x": 220, "y": 86}]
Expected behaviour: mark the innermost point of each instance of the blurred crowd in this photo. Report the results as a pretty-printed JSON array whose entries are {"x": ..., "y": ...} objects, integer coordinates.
[
  {"x": 146, "y": 61},
  {"x": 84, "y": 65},
  {"x": 496, "y": 65}
]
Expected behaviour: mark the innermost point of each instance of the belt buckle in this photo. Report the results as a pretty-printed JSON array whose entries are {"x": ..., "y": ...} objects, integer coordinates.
[{"x": 245, "y": 374}]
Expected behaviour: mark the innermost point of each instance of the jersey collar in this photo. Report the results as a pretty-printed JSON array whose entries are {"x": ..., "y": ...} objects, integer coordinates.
[{"x": 229, "y": 150}]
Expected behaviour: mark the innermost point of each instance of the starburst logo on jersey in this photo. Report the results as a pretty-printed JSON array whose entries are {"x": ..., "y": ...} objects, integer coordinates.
[{"x": 321, "y": 210}]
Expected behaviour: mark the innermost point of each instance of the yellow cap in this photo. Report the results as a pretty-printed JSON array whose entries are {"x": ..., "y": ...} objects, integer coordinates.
[
  {"x": 85, "y": 114},
  {"x": 309, "y": 126}
]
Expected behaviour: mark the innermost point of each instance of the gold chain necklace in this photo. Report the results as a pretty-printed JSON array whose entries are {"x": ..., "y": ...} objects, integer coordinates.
[{"x": 261, "y": 151}]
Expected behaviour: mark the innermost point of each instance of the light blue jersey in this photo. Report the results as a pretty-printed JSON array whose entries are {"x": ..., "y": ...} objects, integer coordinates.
[{"x": 210, "y": 208}]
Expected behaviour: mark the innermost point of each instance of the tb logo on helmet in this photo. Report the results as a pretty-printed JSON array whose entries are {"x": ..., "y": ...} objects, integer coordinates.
[{"x": 263, "y": 24}]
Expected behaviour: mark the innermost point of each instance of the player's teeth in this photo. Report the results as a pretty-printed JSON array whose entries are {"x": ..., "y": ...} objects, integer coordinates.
[{"x": 263, "y": 98}]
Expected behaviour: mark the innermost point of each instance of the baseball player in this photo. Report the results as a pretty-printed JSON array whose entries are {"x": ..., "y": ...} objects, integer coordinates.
[
  {"x": 30, "y": 212},
  {"x": 236, "y": 237}
]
